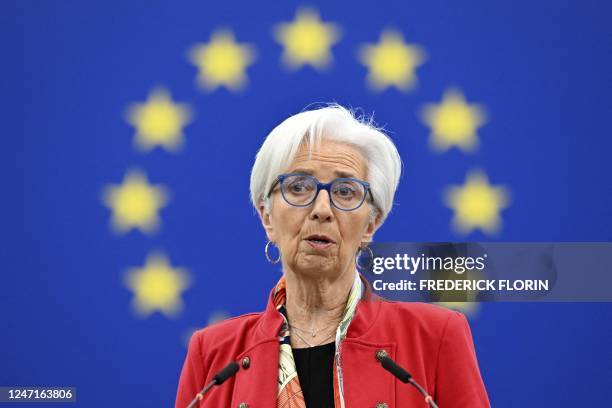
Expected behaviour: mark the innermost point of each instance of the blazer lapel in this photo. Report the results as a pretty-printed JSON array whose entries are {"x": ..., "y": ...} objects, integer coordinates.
[
  {"x": 366, "y": 383},
  {"x": 256, "y": 381}
]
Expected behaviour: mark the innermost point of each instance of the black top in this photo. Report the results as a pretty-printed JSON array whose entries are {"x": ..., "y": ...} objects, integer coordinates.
[{"x": 315, "y": 368}]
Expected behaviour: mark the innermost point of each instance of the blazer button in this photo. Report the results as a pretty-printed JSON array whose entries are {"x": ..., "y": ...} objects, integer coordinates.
[
  {"x": 243, "y": 405},
  {"x": 382, "y": 405},
  {"x": 246, "y": 362},
  {"x": 380, "y": 354}
]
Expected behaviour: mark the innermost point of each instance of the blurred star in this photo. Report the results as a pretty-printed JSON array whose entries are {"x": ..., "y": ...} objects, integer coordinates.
[
  {"x": 222, "y": 61},
  {"x": 187, "y": 334},
  {"x": 214, "y": 317},
  {"x": 477, "y": 204},
  {"x": 159, "y": 121},
  {"x": 157, "y": 286},
  {"x": 453, "y": 122},
  {"x": 391, "y": 62},
  {"x": 217, "y": 316},
  {"x": 307, "y": 40},
  {"x": 135, "y": 203},
  {"x": 467, "y": 308}
]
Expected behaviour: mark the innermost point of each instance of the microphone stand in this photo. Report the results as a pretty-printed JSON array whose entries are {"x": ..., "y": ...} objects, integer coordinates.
[
  {"x": 219, "y": 378},
  {"x": 403, "y": 375}
]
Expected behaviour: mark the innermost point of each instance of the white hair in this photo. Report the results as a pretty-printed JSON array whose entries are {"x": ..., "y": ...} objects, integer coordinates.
[{"x": 333, "y": 122}]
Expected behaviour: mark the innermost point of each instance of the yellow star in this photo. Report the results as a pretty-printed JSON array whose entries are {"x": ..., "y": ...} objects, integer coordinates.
[
  {"x": 453, "y": 122},
  {"x": 135, "y": 203},
  {"x": 477, "y": 204},
  {"x": 467, "y": 308},
  {"x": 307, "y": 40},
  {"x": 391, "y": 62},
  {"x": 159, "y": 121},
  {"x": 462, "y": 301},
  {"x": 157, "y": 286},
  {"x": 222, "y": 62}
]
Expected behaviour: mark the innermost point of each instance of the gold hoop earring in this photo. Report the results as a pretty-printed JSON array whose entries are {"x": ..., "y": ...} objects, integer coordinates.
[
  {"x": 359, "y": 254},
  {"x": 272, "y": 261}
]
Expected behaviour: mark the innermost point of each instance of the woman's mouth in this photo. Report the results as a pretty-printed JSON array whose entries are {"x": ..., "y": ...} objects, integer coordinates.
[{"x": 319, "y": 242}]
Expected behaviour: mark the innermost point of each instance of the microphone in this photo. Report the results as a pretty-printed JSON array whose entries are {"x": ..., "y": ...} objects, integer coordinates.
[
  {"x": 219, "y": 378},
  {"x": 403, "y": 375},
  {"x": 226, "y": 372}
]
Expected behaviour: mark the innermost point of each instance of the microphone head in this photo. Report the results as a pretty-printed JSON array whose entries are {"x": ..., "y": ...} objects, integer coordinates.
[
  {"x": 392, "y": 367},
  {"x": 226, "y": 372}
]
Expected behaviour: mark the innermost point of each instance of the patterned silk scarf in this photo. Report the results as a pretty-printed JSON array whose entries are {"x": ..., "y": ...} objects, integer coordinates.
[{"x": 289, "y": 391}]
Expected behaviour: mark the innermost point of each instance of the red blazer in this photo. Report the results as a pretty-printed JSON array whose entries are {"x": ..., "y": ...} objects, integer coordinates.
[{"x": 432, "y": 343}]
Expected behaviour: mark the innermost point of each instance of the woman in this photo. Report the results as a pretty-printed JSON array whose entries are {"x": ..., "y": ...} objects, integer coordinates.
[{"x": 323, "y": 182}]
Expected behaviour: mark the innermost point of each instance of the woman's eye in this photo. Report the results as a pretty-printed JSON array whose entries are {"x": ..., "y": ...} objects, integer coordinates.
[
  {"x": 299, "y": 187},
  {"x": 344, "y": 191}
]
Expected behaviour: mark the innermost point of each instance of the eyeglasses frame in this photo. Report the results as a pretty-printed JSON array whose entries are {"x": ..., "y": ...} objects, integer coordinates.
[{"x": 322, "y": 186}]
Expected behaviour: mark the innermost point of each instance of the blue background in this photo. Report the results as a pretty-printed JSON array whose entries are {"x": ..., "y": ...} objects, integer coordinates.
[{"x": 69, "y": 69}]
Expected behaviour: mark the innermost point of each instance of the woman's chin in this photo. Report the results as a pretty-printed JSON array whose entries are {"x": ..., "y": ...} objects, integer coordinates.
[{"x": 312, "y": 264}]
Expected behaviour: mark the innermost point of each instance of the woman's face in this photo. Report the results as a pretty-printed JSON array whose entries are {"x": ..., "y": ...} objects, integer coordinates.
[{"x": 292, "y": 228}]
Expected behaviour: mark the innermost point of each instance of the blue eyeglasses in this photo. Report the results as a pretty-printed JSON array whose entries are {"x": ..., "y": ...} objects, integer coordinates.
[{"x": 300, "y": 190}]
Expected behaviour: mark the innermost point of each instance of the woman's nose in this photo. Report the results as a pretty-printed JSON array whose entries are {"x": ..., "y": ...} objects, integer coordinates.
[{"x": 321, "y": 207}]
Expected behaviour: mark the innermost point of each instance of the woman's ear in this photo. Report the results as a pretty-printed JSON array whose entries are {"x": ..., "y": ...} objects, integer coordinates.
[
  {"x": 371, "y": 227},
  {"x": 266, "y": 221}
]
